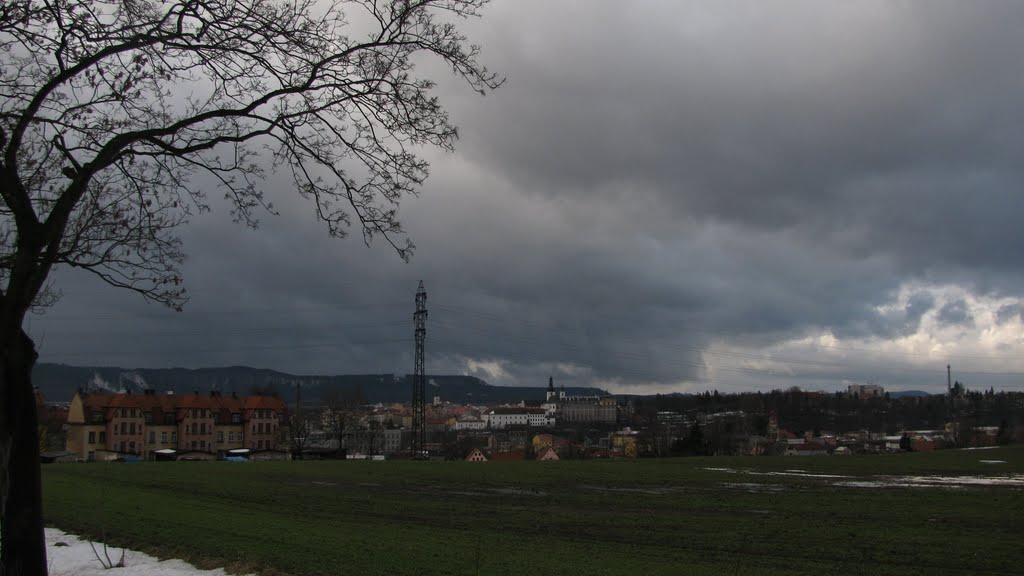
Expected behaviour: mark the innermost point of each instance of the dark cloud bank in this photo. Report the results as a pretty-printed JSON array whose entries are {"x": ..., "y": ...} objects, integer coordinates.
[{"x": 655, "y": 180}]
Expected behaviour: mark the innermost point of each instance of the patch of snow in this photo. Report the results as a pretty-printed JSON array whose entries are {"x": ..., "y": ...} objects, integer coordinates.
[
  {"x": 76, "y": 558},
  {"x": 798, "y": 474},
  {"x": 981, "y": 448},
  {"x": 948, "y": 482},
  {"x": 755, "y": 488}
]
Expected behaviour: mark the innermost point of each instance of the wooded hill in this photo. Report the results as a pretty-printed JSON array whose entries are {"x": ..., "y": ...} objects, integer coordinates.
[{"x": 58, "y": 383}]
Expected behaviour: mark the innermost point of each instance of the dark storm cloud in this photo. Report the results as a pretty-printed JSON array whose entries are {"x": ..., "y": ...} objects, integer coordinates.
[
  {"x": 653, "y": 178},
  {"x": 955, "y": 313},
  {"x": 885, "y": 130},
  {"x": 1008, "y": 312}
]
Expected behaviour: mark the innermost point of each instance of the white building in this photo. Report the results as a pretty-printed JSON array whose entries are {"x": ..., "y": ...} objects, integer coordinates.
[
  {"x": 505, "y": 417},
  {"x": 499, "y": 418},
  {"x": 540, "y": 418},
  {"x": 470, "y": 423},
  {"x": 865, "y": 390}
]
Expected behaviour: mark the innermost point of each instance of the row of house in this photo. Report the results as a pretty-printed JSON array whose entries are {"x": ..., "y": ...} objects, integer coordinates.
[{"x": 105, "y": 425}]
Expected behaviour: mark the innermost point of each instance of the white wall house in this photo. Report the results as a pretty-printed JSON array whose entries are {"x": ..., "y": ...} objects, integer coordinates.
[
  {"x": 470, "y": 424},
  {"x": 498, "y": 418},
  {"x": 505, "y": 417}
]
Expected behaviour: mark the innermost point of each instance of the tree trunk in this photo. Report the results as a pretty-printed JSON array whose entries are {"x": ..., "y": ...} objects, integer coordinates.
[{"x": 22, "y": 544}]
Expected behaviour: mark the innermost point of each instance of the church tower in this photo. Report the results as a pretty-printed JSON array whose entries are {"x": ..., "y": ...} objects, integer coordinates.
[{"x": 551, "y": 389}]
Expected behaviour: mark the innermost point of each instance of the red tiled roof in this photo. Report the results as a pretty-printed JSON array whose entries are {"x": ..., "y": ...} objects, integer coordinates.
[
  {"x": 506, "y": 410},
  {"x": 263, "y": 403},
  {"x": 173, "y": 402}
]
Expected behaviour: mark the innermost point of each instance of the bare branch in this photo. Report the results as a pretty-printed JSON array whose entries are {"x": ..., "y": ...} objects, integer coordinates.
[{"x": 116, "y": 115}]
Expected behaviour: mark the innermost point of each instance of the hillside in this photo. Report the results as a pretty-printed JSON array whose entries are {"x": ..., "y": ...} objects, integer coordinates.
[{"x": 58, "y": 383}]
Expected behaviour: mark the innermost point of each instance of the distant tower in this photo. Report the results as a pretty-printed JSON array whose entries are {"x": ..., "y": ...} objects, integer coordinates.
[
  {"x": 551, "y": 389},
  {"x": 949, "y": 380},
  {"x": 419, "y": 377}
]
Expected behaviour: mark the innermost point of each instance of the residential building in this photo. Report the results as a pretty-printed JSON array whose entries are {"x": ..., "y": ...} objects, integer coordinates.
[
  {"x": 865, "y": 390},
  {"x": 104, "y": 425},
  {"x": 589, "y": 409}
]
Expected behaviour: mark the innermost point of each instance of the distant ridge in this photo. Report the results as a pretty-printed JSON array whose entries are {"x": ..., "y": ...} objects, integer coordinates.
[
  {"x": 908, "y": 393},
  {"x": 58, "y": 383}
]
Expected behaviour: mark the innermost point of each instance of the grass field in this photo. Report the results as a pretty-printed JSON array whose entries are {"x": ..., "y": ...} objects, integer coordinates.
[{"x": 836, "y": 515}]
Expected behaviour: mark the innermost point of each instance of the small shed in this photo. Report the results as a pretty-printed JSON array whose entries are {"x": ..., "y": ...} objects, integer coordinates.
[{"x": 547, "y": 454}]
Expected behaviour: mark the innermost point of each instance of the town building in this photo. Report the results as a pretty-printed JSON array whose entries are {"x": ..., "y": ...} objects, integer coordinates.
[
  {"x": 588, "y": 409},
  {"x": 503, "y": 417},
  {"x": 102, "y": 425},
  {"x": 865, "y": 390}
]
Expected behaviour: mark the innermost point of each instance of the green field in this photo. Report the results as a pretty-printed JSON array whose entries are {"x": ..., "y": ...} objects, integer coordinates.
[{"x": 735, "y": 516}]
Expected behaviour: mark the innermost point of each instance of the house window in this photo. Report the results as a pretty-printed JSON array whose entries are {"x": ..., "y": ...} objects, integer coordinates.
[
  {"x": 91, "y": 456},
  {"x": 163, "y": 437},
  {"x": 220, "y": 436},
  {"x": 148, "y": 417},
  {"x": 202, "y": 428},
  {"x": 236, "y": 418},
  {"x": 174, "y": 437},
  {"x": 131, "y": 446},
  {"x": 92, "y": 437},
  {"x": 168, "y": 417},
  {"x": 202, "y": 444},
  {"x": 260, "y": 427},
  {"x": 124, "y": 427},
  {"x": 194, "y": 427},
  {"x": 131, "y": 428},
  {"x": 103, "y": 436},
  {"x": 152, "y": 437},
  {"x": 259, "y": 444},
  {"x": 193, "y": 444}
]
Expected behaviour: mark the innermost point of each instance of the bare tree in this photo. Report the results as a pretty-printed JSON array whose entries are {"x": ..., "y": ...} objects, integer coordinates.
[
  {"x": 115, "y": 113},
  {"x": 340, "y": 408},
  {"x": 300, "y": 426}
]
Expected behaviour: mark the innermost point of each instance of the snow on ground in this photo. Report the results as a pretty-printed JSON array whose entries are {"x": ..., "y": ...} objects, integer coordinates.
[
  {"x": 78, "y": 559},
  {"x": 951, "y": 482}
]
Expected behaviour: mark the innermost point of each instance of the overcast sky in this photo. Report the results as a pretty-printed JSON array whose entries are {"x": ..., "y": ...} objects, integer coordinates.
[{"x": 665, "y": 196}]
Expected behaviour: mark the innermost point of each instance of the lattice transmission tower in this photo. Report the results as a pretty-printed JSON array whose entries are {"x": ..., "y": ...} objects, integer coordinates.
[{"x": 419, "y": 378}]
